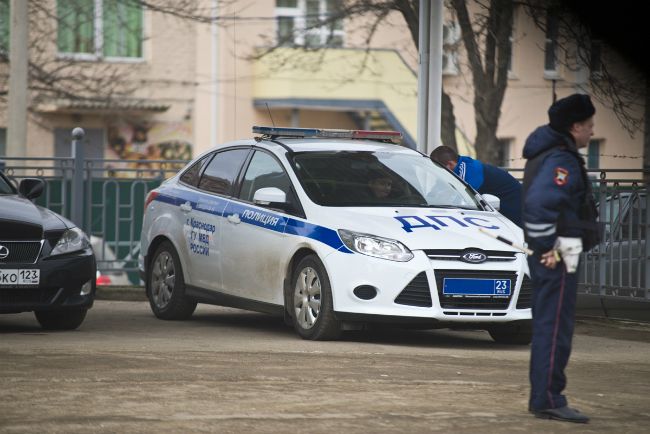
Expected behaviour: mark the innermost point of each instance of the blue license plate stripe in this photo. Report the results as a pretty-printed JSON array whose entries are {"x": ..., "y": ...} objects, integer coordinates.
[{"x": 458, "y": 286}]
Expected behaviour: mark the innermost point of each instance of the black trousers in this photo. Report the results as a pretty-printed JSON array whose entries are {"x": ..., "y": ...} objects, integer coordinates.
[{"x": 554, "y": 305}]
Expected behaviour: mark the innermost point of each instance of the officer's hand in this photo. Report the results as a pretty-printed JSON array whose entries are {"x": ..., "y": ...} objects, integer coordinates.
[{"x": 549, "y": 259}]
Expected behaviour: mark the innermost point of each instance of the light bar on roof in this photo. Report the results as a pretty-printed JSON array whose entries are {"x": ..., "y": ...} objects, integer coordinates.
[{"x": 392, "y": 136}]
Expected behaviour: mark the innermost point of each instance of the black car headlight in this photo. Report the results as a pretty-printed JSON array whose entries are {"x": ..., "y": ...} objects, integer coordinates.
[
  {"x": 72, "y": 240},
  {"x": 375, "y": 246}
]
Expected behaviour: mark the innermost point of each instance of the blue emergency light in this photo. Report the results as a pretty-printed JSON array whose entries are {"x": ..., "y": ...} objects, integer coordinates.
[{"x": 391, "y": 136}]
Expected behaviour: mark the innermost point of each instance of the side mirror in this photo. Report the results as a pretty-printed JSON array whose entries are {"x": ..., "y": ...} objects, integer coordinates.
[
  {"x": 31, "y": 188},
  {"x": 492, "y": 200},
  {"x": 270, "y": 196}
]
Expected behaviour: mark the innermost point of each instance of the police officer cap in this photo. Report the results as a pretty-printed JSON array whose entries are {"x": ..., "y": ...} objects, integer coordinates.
[{"x": 567, "y": 111}]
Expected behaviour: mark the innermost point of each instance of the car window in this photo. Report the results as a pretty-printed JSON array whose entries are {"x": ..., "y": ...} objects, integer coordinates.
[
  {"x": 634, "y": 220},
  {"x": 263, "y": 171},
  {"x": 221, "y": 172},
  {"x": 192, "y": 175},
  {"x": 5, "y": 188},
  {"x": 379, "y": 179}
]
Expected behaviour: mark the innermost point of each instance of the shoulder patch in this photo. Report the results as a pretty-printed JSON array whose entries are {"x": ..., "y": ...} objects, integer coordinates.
[{"x": 561, "y": 176}]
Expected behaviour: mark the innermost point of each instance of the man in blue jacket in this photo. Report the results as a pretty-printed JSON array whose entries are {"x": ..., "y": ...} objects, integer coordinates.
[
  {"x": 484, "y": 178},
  {"x": 555, "y": 187}
]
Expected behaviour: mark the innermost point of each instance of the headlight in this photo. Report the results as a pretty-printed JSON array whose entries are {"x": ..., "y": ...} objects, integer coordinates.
[
  {"x": 72, "y": 240},
  {"x": 375, "y": 246}
]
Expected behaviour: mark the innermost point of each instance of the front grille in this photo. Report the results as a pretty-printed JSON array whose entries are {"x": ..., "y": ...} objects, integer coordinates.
[
  {"x": 12, "y": 230},
  {"x": 456, "y": 254},
  {"x": 416, "y": 293},
  {"x": 20, "y": 252},
  {"x": 525, "y": 294},
  {"x": 27, "y": 296},
  {"x": 474, "y": 301}
]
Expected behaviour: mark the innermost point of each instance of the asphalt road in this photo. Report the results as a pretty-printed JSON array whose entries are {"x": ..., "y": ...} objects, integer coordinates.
[{"x": 231, "y": 371}]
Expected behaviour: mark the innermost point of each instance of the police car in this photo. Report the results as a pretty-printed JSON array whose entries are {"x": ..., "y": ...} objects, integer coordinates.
[{"x": 332, "y": 229}]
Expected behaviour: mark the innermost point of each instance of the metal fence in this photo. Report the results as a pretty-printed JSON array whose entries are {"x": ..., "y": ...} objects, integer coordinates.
[
  {"x": 114, "y": 191},
  {"x": 112, "y": 203}
]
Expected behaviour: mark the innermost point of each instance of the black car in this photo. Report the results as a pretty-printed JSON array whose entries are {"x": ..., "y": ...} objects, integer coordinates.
[{"x": 46, "y": 263}]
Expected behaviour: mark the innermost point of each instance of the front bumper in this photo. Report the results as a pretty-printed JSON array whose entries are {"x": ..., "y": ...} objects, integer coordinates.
[
  {"x": 61, "y": 282},
  {"x": 424, "y": 304}
]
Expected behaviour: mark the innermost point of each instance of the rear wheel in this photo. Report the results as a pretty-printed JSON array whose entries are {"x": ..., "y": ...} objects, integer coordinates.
[
  {"x": 312, "y": 307},
  {"x": 166, "y": 285},
  {"x": 520, "y": 333},
  {"x": 68, "y": 319}
]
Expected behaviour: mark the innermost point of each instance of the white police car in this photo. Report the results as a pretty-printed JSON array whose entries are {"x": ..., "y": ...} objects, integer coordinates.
[{"x": 332, "y": 229}]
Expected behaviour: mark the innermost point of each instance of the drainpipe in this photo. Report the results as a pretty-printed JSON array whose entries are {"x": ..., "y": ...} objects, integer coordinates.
[
  {"x": 423, "y": 76},
  {"x": 214, "y": 75}
]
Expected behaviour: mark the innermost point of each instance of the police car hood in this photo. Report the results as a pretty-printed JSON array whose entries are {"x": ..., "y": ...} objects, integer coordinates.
[{"x": 431, "y": 228}]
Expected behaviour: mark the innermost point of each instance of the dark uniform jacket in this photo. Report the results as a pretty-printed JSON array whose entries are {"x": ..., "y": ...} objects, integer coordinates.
[{"x": 554, "y": 188}]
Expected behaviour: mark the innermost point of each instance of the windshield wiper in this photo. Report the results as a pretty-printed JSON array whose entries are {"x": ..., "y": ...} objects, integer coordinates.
[{"x": 451, "y": 207}]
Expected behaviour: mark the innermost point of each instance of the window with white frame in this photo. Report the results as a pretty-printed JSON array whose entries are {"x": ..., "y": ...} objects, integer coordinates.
[
  {"x": 4, "y": 27},
  {"x": 503, "y": 152},
  {"x": 551, "y": 44},
  {"x": 92, "y": 29},
  {"x": 592, "y": 154},
  {"x": 595, "y": 59},
  {"x": 450, "y": 39},
  {"x": 309, "y": 23}
]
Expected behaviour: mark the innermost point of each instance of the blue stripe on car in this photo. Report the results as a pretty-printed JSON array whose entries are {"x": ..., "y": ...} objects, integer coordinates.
[{"x": 255, "y": 216}]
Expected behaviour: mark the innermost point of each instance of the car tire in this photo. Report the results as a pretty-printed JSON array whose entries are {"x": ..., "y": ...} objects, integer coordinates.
[
  {"x": 311, "y": 304},
  {"x": 166, "y": 285},
  {"x": 68, "y": 319},
  {"x": 512, "y": 334}
]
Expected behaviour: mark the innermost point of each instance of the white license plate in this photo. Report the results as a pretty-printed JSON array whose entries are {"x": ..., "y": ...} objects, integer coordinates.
[{"x": 20, "y": 277}]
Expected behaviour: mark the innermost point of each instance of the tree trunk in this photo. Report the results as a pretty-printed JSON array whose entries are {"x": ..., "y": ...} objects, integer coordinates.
[
  {"x": 646, "y": 134},
  {"x": 448, "y": 122},
  {"x": 410, "y": 10},
  {"x": 488, "y": 63}
]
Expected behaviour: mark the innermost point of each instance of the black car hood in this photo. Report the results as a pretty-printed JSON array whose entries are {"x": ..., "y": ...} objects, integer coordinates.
[{"x": 18, "y": 209}]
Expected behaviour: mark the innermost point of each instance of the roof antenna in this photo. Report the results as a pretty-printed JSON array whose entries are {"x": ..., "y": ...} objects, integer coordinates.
[{"x": 269, "y": 110}]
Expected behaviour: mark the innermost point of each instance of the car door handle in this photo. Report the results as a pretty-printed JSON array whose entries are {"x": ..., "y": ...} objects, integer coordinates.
[
  {"x": 186, "y": 207},
  {"x": 234, "y": 218}
]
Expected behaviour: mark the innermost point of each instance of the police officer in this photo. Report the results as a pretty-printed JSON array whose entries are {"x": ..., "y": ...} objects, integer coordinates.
[
  {"x": 555, "y": 186},
  {"x": 484, "y": 178}
]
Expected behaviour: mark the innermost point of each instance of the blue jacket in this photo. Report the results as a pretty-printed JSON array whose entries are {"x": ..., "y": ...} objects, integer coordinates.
[
  {"x": 552, "y": 198},
  {"x": 488, "y": 179}
]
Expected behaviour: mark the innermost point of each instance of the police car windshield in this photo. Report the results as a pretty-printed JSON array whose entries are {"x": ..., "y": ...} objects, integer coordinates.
[{"x": 347, "y": 178}]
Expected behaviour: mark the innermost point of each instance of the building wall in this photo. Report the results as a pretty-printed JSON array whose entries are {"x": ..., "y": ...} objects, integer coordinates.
[
  {"x": 529, "y": 95},
  {"x": 207, "y": 78}
]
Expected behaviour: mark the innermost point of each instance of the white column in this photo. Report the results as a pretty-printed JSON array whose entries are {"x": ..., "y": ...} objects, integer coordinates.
[
  {"x": 18, "y": 62},
  {"x": 435, "y": 75}
]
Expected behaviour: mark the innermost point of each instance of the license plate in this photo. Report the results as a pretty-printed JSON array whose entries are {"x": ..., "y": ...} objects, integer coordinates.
[
  {"x": 476, "y": 287},
  {"x": 20, "y": 277}
]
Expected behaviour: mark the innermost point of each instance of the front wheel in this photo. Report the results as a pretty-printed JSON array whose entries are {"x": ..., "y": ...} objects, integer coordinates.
[
  {"x": 512, "y": 334},
  {"x": 68, "y": 319},
  {"x": 312, "y": 307},
  {"x": 166, "y": 285}
]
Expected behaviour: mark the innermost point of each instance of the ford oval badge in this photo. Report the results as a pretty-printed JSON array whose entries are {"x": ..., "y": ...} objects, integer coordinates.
[{"x": 474, "y": 257}]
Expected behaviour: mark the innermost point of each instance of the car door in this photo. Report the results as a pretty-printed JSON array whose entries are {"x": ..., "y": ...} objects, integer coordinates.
[
  {"x": 204, "y": 217},
  {"x": 255, "y": 247}
]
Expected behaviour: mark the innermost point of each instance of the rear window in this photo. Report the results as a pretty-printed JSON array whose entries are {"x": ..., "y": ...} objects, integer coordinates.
[{"x": 379, "y": 179}]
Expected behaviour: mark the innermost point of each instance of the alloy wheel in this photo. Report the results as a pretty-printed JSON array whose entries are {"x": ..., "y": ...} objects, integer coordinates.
[
  {"x": 163, "y": 277},
  {"x": 307, "y": 298}
]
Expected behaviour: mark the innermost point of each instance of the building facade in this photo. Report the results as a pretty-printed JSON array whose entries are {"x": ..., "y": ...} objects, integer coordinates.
[{"x": 170, "y": 84}]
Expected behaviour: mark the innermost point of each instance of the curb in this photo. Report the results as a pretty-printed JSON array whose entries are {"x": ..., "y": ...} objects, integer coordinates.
[{"x": 121, "y": 293}]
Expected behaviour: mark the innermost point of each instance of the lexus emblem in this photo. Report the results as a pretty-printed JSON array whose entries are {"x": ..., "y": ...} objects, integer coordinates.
[
  {"x": 474, "y": 257},
  {"x": 4, "y": 252}
]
